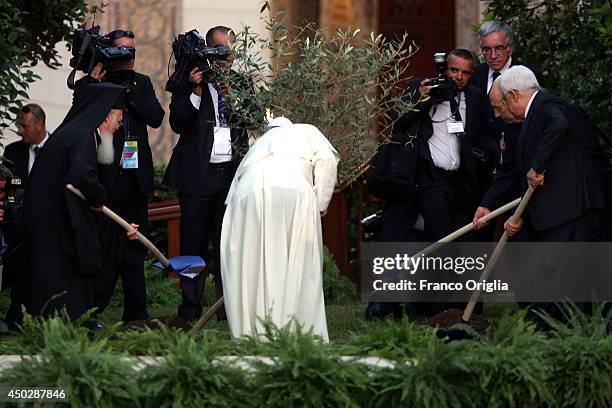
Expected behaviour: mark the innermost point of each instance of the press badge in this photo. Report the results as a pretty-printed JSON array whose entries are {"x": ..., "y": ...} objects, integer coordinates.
[
  {"x": 222, "y": 145},
  {"x": 454, "y": 126},
  {"x": 129, "y": 157}
]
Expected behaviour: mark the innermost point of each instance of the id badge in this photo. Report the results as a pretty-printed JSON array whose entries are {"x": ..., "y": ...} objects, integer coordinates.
[
  {"x": 454, "y": 126},
  {"x": 222, "y": 145},
  {"x": 129, "y": 157}
]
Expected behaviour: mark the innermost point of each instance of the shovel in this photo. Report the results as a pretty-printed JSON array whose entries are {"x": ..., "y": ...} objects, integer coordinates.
[
  {"x": 458, "y": 333},
  {"x": 181, "y": 265}
]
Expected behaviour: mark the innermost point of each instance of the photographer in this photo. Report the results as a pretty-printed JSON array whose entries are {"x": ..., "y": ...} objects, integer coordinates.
[
  {"x": 209, "y": 149},
  {"x": 127, "y": 178},
  {"x": 451, "y": 120},
  {"x": 11, "y": 242}
]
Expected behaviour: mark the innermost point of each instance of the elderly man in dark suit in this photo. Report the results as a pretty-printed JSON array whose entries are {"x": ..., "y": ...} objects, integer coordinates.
[
  {"x": 128, "y": 179},
  {"x": 552, "y": 154},
  {"x": 203, "y": 163}
]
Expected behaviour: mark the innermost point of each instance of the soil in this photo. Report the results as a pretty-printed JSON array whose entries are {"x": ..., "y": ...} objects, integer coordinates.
[
  {"x": 450, "y": 317},
  {"x": 173, "y": 322}
]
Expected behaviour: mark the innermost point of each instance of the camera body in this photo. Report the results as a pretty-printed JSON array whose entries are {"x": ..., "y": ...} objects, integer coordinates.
[
  {"x": 190, "y": 51},
  {"x": 443, "y": 87},
  {"x": 90, "y": 47}
]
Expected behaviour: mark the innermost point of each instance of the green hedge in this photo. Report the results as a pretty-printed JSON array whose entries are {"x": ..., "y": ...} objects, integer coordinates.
[{"x": 512, "y": 366}]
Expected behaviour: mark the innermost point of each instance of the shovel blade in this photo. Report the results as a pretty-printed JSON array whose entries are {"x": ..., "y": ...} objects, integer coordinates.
[{"x": 186, "y": 265}]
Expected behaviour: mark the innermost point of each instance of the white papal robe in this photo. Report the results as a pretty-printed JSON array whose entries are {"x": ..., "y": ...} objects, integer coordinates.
[{"x": 271, "y": 240}]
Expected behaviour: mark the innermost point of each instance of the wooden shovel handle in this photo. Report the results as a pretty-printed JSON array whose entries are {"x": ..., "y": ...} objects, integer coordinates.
[
  {"x": 126, "y": 226},
  {"x": 467, "y": 314}
]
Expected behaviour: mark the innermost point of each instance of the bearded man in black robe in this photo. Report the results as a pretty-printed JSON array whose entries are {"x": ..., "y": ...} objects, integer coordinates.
[{"x": 61, "y": 231}]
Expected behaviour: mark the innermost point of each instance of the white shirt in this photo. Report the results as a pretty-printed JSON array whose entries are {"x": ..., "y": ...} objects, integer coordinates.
[
  {"x": 501, "y": 71},
  {"x": 445, "y": 147},
  {"x": 529, "y": 104},
  {"x": 32, "y": 155},
  {"x": 222, "y": 145}
]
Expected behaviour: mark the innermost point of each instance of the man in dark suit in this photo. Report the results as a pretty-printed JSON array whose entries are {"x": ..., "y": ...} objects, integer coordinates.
[
  {"x": 448, "y": 131},
  {"x": 203, "y": 164},
  {"x": 569, "y": 206},
  {"x": 496, "y": 40},
  {"x": 128, "y": 179},
  {"x": 19, "y": 158}
]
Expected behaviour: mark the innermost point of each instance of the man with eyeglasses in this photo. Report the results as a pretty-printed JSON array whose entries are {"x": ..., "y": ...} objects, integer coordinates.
[
  {"x": 496, "y": 40},
  {"x": 126, "y": 171},
  {"x": 212, "y": 141}
]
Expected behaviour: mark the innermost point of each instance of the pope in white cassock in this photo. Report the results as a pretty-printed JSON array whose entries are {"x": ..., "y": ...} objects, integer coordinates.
[{"x": 271, "y": 240}]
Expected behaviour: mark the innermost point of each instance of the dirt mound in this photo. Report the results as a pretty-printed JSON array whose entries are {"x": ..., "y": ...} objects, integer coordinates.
[
  {"x": 450, "y": 317},
  {"x": 173, "y": 322}
]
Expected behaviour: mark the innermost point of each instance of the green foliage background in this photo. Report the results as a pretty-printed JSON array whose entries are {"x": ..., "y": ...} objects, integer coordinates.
[
  {"x": 29, "y": 32},
  {"x": 570, "y": 41}
]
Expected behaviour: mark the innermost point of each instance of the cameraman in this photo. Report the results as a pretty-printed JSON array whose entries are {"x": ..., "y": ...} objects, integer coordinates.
[
  {"x": 202, "y": 166},
  {"x": 448, "y": 130},
  {"x": 128, "y": 181}
]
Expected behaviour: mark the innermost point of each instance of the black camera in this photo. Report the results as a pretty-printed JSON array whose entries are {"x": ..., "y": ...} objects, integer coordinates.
[
  {"x": 443, "y": 87},
  {"x": 190, "y": 50},
  {"x": 90, "y": 47}
]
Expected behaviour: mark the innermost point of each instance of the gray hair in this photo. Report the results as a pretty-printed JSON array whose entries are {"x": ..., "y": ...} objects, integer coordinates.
[
  {"x": 518, "y": 78},
  {"x": 489, "y": 27}
]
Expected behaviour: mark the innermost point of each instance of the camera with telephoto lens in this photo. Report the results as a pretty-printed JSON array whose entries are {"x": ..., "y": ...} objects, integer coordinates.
[
  {"x": 90, "y": 47},
  {"x": 190, "y": 51},
  {"x": 443, "y": 87}
]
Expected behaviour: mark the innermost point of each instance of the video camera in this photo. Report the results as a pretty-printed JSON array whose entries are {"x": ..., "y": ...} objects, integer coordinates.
[
  {"x": 443, "y": 87},
  {"x": 190, "y": 50},
  {"x": 90, "y": 47}
]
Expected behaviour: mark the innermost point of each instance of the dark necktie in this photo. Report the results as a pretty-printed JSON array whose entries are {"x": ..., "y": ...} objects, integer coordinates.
[
  {"x": 454, "y": 106},
  {"x": 36, "y": 152},
  {"x": 221, "y": 107},
  {"x": 496, "y": 74}
]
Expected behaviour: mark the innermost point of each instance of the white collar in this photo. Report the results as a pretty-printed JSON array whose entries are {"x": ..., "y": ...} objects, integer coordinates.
[
  {"x": 529, "y": 104},
  {"x": 504, "y": 68}
]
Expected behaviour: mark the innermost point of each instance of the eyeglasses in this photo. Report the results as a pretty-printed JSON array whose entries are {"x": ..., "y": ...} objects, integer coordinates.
[
  {"x": 498, "y": 49},
  {"x": 120, "y": 34}
]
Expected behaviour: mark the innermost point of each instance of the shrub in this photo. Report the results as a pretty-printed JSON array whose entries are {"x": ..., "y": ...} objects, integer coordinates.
[
  {"x": 338, "y": 289},
  {"x": 188, "y": 377},
  {"x": 68, "y": 359}
]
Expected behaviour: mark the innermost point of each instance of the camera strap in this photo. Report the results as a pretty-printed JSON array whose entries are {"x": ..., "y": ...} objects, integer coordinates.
[{"x": 84, "y": 45}]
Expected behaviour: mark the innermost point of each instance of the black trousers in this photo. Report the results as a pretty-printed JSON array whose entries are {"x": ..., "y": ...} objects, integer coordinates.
[
  {"x": 586, "y": 228},
  {"x": 123, "y": 257},
  {"x": 446, "y": 204},
  {"x": 201, "y": 220}
]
